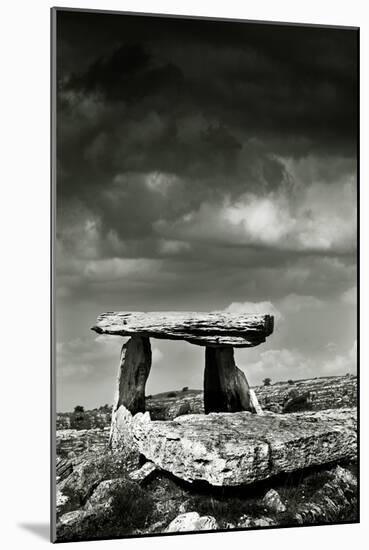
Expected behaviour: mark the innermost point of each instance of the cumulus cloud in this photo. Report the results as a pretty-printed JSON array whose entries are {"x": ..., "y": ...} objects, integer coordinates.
[{"x": 313, "y": 218}]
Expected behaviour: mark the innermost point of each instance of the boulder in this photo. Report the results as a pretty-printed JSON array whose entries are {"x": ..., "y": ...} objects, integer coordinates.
[
  {"x": 79, "y": 525},
  {"x": 116, "y": 507},
  {"x": 272, "y": 501},
  {"x": 88, "y": 474},
  {"x": 241, "y": 448},
  {"x": 70, "y": 518},
  {"x": 106, "y": 490},
  {"x": 191, "y": 521}
]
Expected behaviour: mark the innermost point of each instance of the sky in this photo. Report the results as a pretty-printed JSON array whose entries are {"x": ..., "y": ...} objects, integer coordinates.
[{"x": 204, "y": 166}]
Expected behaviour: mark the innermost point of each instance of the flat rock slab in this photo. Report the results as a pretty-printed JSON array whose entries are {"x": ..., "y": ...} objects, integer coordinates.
[
  {"x": 239, "y": 448},
  {"x": 203, "y": 329}
]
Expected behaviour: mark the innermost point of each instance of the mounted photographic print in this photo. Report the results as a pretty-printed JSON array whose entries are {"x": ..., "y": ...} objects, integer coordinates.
[{"x": 204, "y": 275}]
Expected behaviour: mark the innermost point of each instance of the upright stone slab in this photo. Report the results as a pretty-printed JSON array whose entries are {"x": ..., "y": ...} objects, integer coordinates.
[
  {"x": 225, "y": 386},
  {"x": 134, "y": 368}
]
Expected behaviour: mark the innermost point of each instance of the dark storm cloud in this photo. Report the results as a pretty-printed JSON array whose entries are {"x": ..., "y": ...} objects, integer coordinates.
[
  {"x": 129, "y": 75},
  {"x": 212, "y": 103},
  {"x": 297, "y": 80}
]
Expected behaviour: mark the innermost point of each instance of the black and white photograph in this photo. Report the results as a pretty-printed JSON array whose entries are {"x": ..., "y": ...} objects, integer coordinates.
[{"x": 204, "y": 215}]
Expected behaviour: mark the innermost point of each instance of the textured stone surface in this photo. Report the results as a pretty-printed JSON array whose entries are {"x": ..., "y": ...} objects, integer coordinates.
[
  {"x": 143, "y": 473},
  {"x": 333, "y": 392},
  {"x": 191, "y": 521},
  {"x": 121, "y": 434},
  {"x": 87, "y": 474},
  {"x": 225, "y": 386},
  {"x": 204, "y": 329},
  {"x": 71, "y": 443},
  {"x": 63, "y": 468},
  {"x": 134, "y": 368},
  {"x": 325, "y": 393},
  {"x": 167, "y": 408},
  {"x": 62, "y": 502},
  {"x": 240, "y": 448},
  {"x": 335, "y": 498},
  {"x": 105, "y": 491},
  {"x": 78, "y": 524},
  {"x": 272, "y": 501}
]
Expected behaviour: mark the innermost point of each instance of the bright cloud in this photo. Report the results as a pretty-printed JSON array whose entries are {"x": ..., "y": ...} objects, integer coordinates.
[{"x": 313, "y": 218}]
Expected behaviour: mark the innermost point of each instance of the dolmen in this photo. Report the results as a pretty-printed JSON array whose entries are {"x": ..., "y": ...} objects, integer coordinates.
[{"x": 234, "y": 442}]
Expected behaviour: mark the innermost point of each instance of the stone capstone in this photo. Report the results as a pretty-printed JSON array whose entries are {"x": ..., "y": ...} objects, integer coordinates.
[{"x": 204, "y": 329}]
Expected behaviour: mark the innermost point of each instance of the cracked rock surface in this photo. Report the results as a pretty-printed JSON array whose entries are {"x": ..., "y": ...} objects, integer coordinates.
[{"x": 240, "y": 448}]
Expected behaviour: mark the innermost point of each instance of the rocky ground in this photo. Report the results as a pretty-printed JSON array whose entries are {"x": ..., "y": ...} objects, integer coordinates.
[
  {"x": 332, "y": 392},
  {"x": 102, "y": 494}
]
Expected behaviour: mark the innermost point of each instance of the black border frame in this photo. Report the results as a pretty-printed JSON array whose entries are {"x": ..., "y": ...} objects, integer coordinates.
[{"x": 53, "y": 179}]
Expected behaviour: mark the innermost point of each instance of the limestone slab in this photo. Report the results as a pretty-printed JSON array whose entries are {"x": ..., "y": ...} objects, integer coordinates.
[
  {"x": 240, "y": 448},
  {"x": 204, "y": 329}
]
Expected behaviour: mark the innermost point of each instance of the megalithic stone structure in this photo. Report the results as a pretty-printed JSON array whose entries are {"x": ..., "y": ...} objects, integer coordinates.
[{"x": 225, "y": 386}]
